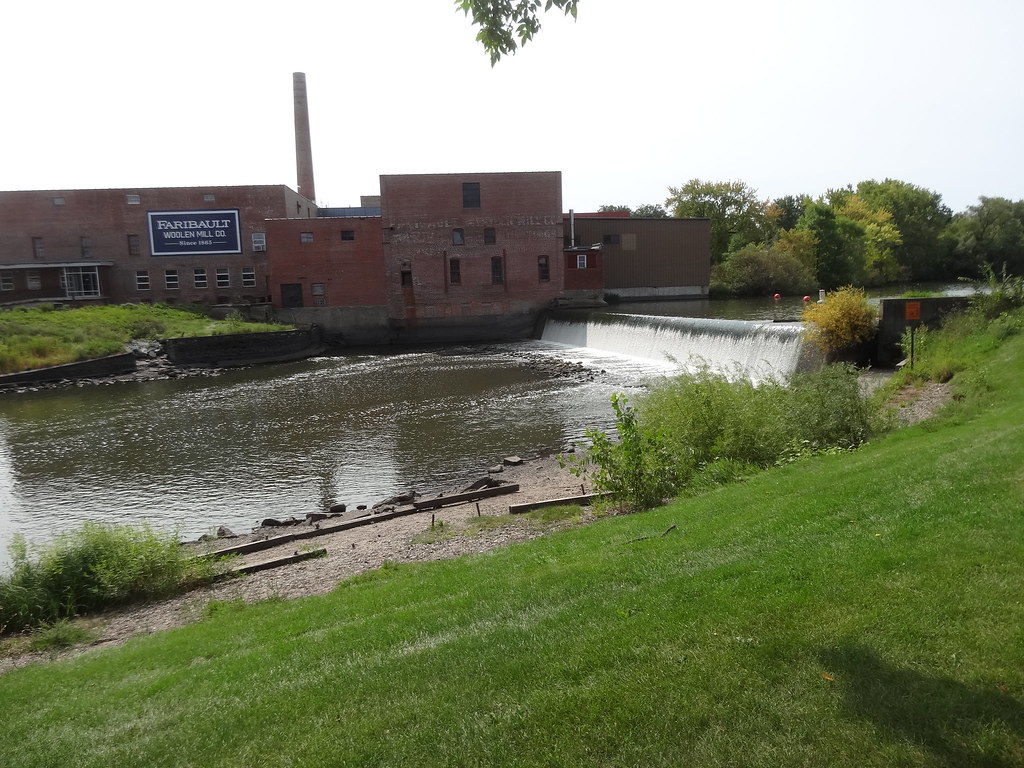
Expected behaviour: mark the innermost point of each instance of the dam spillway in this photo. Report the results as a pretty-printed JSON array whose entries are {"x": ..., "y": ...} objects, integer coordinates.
[{"x": 735, "y": 348}]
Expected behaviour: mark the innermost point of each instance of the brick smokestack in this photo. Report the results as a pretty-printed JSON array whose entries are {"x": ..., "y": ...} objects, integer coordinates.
[{"x": 303, "y": 147}]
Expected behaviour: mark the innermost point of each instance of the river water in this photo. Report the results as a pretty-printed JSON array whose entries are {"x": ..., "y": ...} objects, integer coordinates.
[{"x": 283, "y": 440}]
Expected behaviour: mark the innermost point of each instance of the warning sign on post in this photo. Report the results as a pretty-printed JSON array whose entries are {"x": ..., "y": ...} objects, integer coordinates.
[{"x": 912, "y": 310}]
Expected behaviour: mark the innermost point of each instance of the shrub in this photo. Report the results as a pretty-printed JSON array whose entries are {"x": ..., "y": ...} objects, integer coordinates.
[
  {"x": 842, "y": 321},
  {"x": 639, "y": 468},
  {"x": 827, "y": 409},
  {"x": 758, "y": 270},
  {"x": 59, "y": 635},
  {"x": 997, "y": 294},
  {"x": 95, "y": 567},
  {"x": 699, "y": 430}
]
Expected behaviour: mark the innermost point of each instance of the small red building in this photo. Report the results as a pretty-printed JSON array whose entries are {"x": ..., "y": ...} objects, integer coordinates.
[{"x": 636, "y": 258}]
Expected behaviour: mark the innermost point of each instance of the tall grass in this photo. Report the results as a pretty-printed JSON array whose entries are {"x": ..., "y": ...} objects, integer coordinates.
[
  {"x": 965, "y": 339},
  {"x": 41, "y": 336},
  {"x": 94, "y": 567}
]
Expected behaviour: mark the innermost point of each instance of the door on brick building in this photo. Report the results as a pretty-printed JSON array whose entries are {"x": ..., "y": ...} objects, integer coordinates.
[{"x": 291, "y": 295}]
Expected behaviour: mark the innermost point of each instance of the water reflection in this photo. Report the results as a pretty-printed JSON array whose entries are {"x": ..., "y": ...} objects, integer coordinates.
[
  {"x": 283, "y": 440},
  {"x": 6, "y": 485}
]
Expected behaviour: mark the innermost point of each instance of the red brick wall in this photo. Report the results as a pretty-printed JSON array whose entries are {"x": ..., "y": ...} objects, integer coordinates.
[
  {"x": 351, "y": 271},
  {"x": 107, "y": 219},
  {"x": 419, "y": 216}
]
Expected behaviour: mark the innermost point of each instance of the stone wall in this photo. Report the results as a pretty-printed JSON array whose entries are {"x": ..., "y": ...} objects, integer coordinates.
[
  {"x": 113, "y": 365},
  {"x": 244, "y": 348}
]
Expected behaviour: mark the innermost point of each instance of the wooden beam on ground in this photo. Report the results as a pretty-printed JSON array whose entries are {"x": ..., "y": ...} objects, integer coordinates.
[
  {"x": 277, "y": 562},
  {"x": 518, "y": 509},
  {"x": 442, "y": 501},
  {"x": 461, "y": 498},
  {"x": 276, "y": 541}
]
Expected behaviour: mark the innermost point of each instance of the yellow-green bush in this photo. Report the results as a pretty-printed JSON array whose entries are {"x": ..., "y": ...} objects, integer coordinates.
[{"x": 842, "y": 321}]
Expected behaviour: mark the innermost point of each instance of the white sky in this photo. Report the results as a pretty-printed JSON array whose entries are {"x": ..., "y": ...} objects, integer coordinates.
[{"x": 791, "y": 96}]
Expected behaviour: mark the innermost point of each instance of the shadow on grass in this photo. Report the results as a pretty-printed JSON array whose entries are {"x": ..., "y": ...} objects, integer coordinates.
[{"x": 960, "y": 725}]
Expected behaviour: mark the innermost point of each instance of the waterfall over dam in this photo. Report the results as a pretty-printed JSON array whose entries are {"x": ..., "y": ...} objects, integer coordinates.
[{"x": 737, "y": 348}]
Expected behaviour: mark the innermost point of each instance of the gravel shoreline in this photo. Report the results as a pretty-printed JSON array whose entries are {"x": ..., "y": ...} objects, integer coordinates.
[{"x": 349, "y": 553}]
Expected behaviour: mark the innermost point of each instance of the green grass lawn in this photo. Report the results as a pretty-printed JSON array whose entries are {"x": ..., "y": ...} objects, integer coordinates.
[
  {"x": 862, "y": 609},
  {"x": 42, "y": 336}
]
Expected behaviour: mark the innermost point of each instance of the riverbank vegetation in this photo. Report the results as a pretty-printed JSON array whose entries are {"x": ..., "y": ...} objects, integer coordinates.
[
  {"x": 850, "y": 608},
  {"x": 91, "y": 569},
  {"x": 42, "y": 336},
  {"x": 703, "y": 429}
]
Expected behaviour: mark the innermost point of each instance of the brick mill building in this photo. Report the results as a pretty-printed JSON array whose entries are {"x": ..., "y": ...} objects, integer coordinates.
[
  {"x": 105, "y": 245},
  {"x": 434, "y": 257}
]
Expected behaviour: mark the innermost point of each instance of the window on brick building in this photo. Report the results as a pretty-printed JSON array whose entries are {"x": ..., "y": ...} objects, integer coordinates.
[
  {"x": 86, "y": 247},
  {"x": 134, "y": 246},
  {"x": 142, "y": 280},
  {"x": 80, "y": 282},
  {"x": 458, "y": 237},
  {"x": 581, "y": 261},
  {"x": 209, "y": 198},
  {"x": 259, "y": 241},
  {"x": 223, "y": 277},
  {"x": 407, "y": 276},
  {"x": 33, "y": 280},
  {"x": 348, "y": 234},
  {"x": 37, "y": 247},
  {"x": 132, "y": 199},
  {"x": 454, "y": 272},
  {"x": 199, "y": 277},
  {"x": 305, "y": 237},
  {"x": 171, "y": 279},
  {"x": 497, "y": 270},
  {"x": 543, "y": 269},
  {"x": 319, "y": 291},
  {"x": 6, "y": 281},
  {"x": 471, "y": 194},
  {"x": 58, "y": 201},
  {"x": 490, "y": 236},
  {"x": 248, "y": 277}
]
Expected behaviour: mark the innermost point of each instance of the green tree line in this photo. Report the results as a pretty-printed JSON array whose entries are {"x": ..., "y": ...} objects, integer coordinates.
[{"x": 874, "y": 233}]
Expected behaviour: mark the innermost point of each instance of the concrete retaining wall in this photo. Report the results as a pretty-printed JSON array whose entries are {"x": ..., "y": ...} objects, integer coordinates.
[
  {"x": 244, "y": 348},
  {"x": 113, "y": 365},
  {"x": 342, "y": 326},
  {"x": 893, "y": 322},
  {"x": 371, "y": 326}
]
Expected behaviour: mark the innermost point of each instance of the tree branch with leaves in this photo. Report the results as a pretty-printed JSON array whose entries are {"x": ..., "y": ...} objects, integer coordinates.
[{"x": 507, "y": 25}]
